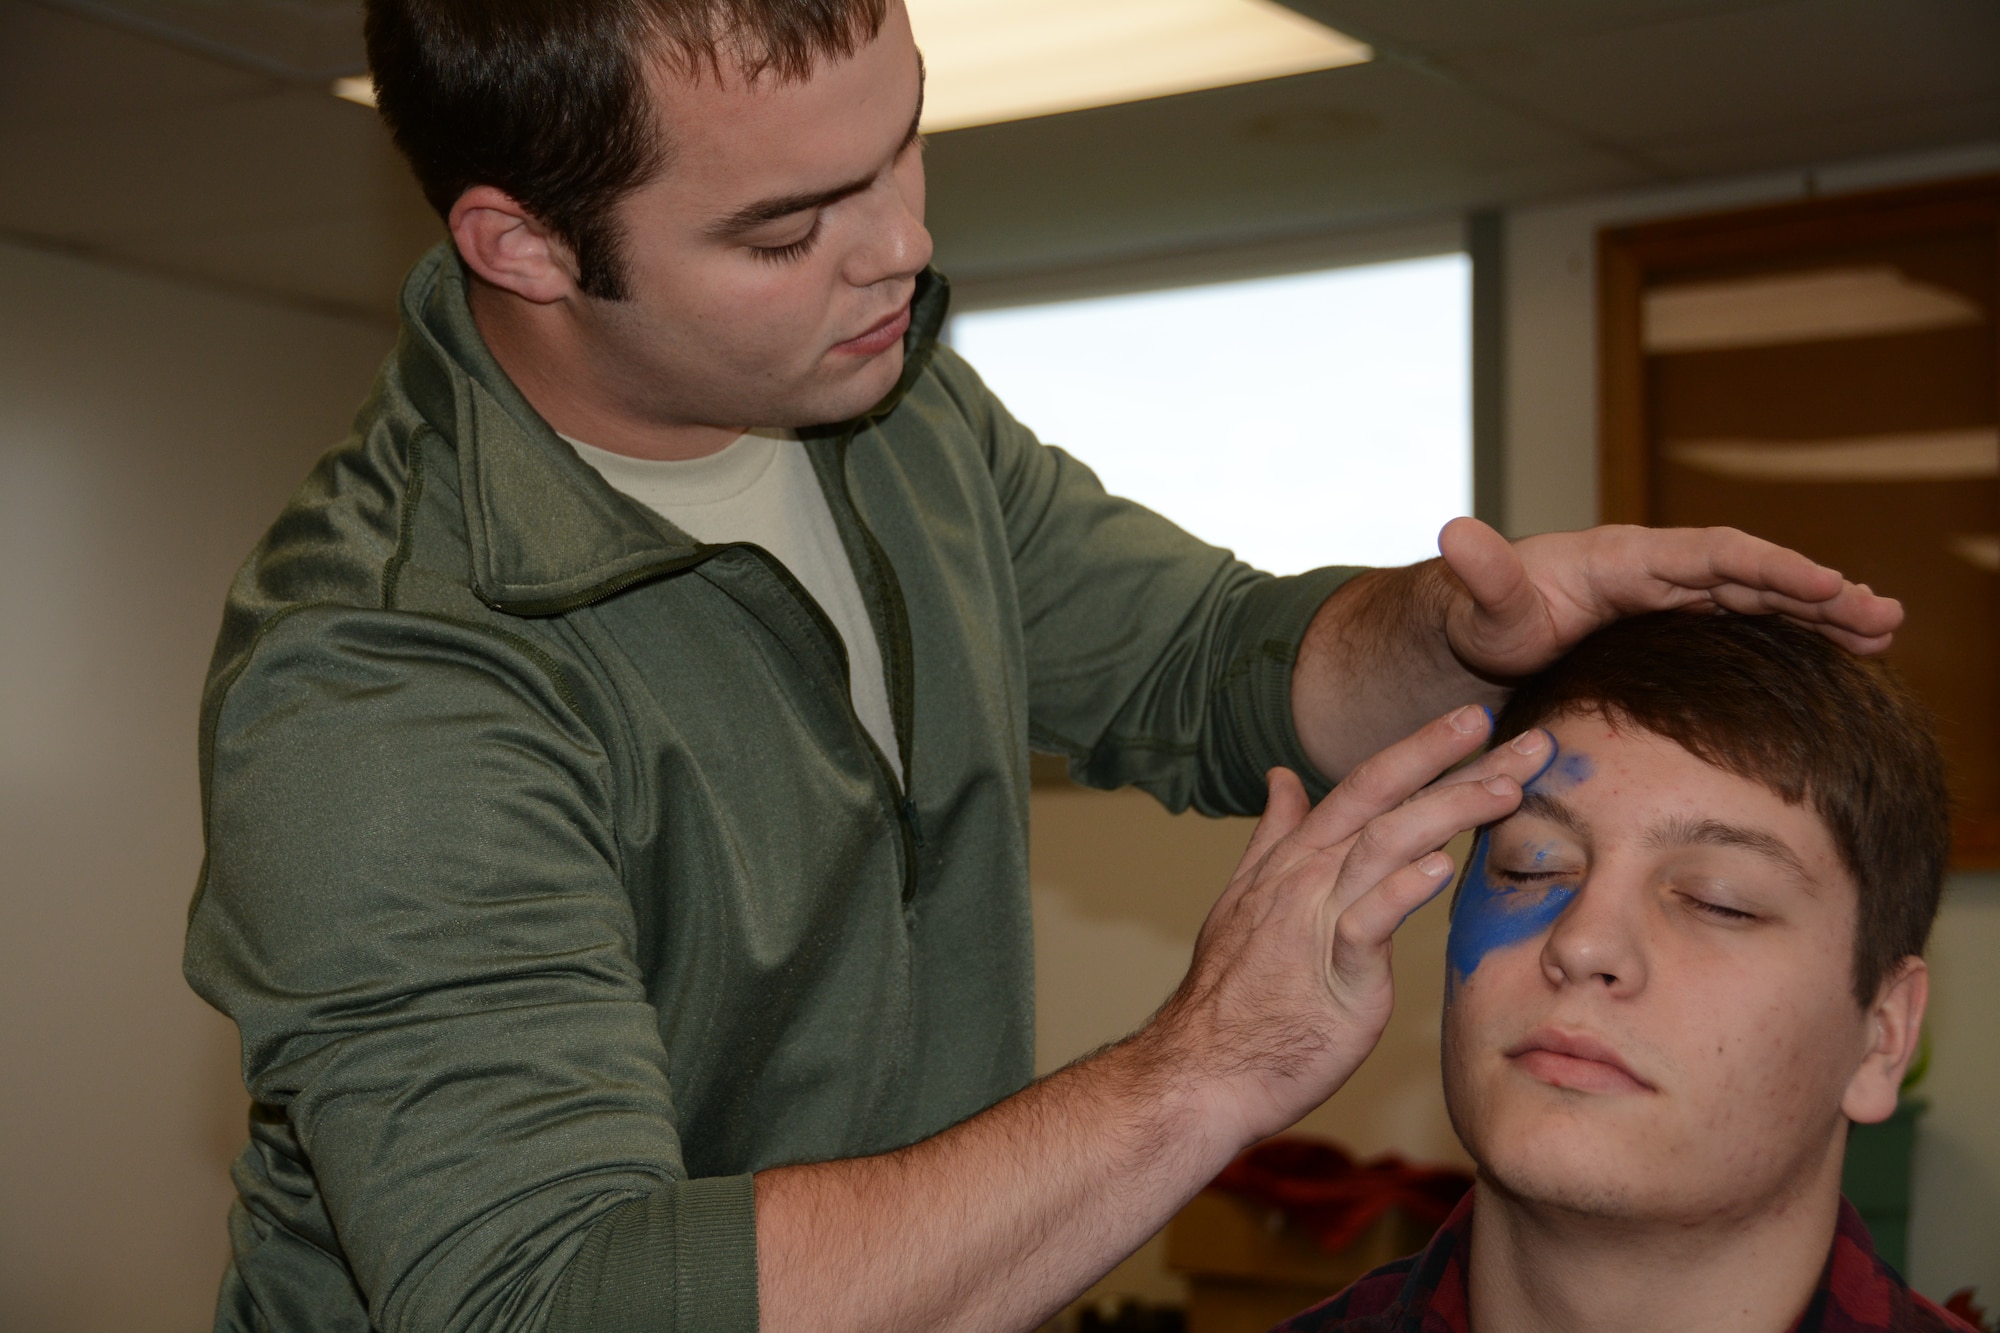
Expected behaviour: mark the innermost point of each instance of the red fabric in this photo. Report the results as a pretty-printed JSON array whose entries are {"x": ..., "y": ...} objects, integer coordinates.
[
  {"x": 1331, "y": 1197},
  {"x": 1427, "y": 1292},
  {"x": 1961, "y": 1304}
]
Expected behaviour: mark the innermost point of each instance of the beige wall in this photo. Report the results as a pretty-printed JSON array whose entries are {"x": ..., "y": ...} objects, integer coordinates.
[{"x": 148, "y": 431}]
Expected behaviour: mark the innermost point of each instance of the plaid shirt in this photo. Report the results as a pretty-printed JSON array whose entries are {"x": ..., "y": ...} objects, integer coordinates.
[{"x": 1426, "y": 1293}]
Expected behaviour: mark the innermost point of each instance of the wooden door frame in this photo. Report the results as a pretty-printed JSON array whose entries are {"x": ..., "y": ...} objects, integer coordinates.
[{"x": 1630, "y": 257}]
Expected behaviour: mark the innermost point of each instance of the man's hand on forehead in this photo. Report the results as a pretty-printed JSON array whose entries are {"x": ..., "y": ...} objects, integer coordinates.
[{"x": 1517, "y": 606}]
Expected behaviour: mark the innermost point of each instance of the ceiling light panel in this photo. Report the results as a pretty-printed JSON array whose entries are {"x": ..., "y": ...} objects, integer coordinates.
[{"x": 995, "y": 60}]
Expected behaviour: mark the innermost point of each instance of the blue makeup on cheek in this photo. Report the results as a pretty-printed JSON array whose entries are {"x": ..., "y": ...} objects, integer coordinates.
[{"x": 1491, "y": 914}]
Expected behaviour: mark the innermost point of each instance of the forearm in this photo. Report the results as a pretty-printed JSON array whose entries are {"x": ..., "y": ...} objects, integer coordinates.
[
  {"x": 1375, "y": 663},
  {"x": 996, "y": 1223},
  {"x": 999, "y": 1221}
]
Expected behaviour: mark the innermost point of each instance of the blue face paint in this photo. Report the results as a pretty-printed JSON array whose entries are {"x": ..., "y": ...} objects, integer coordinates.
[
  {"x": 1491, "y": 913},
  {"x": 1563, "y": 772}
]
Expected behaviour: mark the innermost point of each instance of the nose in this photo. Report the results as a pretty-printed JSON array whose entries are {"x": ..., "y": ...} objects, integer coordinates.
[
  {"x": 1599, "y": 939},
  {"x": 897, "y": 244}
]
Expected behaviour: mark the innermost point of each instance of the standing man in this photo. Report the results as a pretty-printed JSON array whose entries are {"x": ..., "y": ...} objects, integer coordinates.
[{"x": 615, "y": 756}]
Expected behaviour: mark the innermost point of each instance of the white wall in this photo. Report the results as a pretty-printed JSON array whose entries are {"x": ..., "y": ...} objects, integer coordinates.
[
  {"x": 1552, "y": 486},
  {"x": 148, "y": 432}
]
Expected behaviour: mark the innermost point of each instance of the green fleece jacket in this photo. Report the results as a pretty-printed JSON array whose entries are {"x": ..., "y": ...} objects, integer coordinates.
[{"x": 555, "y": 886}]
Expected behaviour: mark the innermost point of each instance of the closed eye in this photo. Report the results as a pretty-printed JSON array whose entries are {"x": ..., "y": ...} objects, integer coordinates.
[
  {"x": 781, "y": 254},
  {"x": 1716, "y": 911}
]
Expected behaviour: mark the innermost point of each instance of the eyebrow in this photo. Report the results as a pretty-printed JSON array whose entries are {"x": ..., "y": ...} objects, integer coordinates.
[
  {"x": 1541, "y": 805},
  {"x": 1684, "y": 832},
  {"x": 1677, "y": 832},
  {"x": 752, "y": 216}
]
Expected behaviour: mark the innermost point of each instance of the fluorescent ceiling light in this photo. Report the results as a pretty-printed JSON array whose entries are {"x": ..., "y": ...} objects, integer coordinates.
[
  {"x": 994, "y": 60},
  {"x": 356, "y": 88},
  {"x": 1937, "y": 455},
  {"x": 1805, "y": 307}
]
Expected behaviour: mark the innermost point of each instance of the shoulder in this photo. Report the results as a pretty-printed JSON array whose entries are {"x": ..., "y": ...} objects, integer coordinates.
[
  {"x": 1375, "y": 1301},
  {"x": 1926, "y": 1317}
]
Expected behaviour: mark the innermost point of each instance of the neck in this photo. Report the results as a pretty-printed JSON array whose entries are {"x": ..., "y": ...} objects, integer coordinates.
[
  {"x": 1538, "y": 1269},
  {"x": 574, "y": 390}
]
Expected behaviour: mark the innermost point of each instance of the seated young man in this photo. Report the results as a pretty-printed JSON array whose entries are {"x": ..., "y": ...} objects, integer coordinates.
[{"x": 1677, "y": 974}]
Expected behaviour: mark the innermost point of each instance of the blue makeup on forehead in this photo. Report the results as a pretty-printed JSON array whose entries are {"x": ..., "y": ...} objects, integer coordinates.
[
  {"x": 1491, "y": 914},
  {"x": 1565, "y": 770}
]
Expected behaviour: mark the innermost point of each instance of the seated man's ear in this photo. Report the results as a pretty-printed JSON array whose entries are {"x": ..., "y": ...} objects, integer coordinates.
[
  {"x": 510, "y": 247},
  {"x": 1894, "y": 1021}
]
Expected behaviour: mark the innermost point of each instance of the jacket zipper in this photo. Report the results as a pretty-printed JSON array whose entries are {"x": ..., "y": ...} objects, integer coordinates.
[
  {"x": 901, "y": 705},
  {"x": 900, "y": 800}
]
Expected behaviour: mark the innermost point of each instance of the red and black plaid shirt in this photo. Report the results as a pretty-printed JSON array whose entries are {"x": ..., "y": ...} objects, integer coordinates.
[{"x": 1426, "y": 1293}]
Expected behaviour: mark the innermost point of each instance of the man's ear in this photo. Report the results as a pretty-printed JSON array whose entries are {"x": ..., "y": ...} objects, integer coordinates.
[
  {"x": 510, "y": 247},
  {"x": 1895, "y": 1019}
]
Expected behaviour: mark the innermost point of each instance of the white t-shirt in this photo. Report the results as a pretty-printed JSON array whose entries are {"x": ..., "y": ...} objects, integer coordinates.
[{"x": 762, "y": 489}]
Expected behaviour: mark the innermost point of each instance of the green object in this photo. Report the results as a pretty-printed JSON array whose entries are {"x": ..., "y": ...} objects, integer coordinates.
[
  {"x": 1876, "y": 1178},
  {"x": 553, "y": 882}
]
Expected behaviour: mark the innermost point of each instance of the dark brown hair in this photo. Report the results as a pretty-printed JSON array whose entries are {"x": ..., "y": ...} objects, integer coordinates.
[
  {"x": 1782, "y": 706},
  {"x": 547, "y": 100}
]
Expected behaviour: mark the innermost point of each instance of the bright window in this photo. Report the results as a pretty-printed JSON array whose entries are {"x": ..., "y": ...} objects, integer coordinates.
[{"x": 1314, "y": 419}]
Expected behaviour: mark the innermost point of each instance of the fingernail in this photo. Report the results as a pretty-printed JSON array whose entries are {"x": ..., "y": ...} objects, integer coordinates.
[
  {"x": 1532, "y": 741},
  {"x": 1499, "y": 786},
  {"x": 1437, "y": 865},
  {"x": 1469, "y": 719}
]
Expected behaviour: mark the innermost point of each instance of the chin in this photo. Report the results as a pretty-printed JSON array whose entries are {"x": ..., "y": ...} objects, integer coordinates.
[
  {"x": 1573, "y": 1187},
  {"x": 872, "y": 381},
  {"x": 1571, "y": 1160},
  {"x": 1614, "y": 1179}
]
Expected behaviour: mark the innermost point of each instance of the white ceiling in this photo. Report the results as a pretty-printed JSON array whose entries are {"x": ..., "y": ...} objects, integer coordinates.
[{"x": 195, "y": 137}]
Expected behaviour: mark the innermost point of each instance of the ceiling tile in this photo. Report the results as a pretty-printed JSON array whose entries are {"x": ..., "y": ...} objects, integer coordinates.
[
  {"x": 305, "y": 41},
  {"x": 1831, "y": 140},
  {"x": 1437, "y": 26},
  {"x": 281, "y": 157},
  {"x": 1776, "y": 70},
  {"x": 1316, "y": 151},
  {"x": 58, "y": 70}
]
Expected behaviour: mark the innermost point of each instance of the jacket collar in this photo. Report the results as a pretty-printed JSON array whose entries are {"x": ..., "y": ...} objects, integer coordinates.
[{"x": 547, "y": 533}]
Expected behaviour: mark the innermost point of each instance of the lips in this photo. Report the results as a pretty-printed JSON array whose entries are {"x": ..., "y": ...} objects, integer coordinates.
[
  {"x": 1574, "y": 1060},
  {"x": 879, "y": 337}
]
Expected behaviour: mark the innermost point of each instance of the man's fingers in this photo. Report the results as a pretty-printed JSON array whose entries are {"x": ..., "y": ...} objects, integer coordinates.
[
  {"x": 1709, "y": 558},
  {"x": 1750, "y": 575},
  {"x": 1361, "y": 935},
  {"x": 1524, "y": 758},
  {"x": 1425, "y": 824},
  {"x": 1857, "y": 618},
  {"x": 1489, "y": 567},
  {"x": 1285, "y": 805},
  {"x": 1387, "y": 779}
]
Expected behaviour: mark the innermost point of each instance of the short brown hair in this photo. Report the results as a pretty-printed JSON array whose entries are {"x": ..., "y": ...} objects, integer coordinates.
[
  {"x": 1784, "y": 707},
  {"x": 546, "y": 99}
]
